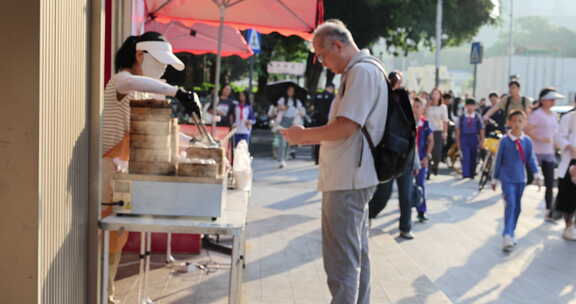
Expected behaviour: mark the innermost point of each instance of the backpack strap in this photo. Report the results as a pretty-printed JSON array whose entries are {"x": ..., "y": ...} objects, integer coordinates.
[
  {"x": 507, "y": 106},
  {"x": 342, "y": 90}
]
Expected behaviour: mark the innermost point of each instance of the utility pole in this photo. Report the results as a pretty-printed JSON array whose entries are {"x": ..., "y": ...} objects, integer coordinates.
[
  {"x": 438, "y": 40},
  {"x": 510, "y": 41}
]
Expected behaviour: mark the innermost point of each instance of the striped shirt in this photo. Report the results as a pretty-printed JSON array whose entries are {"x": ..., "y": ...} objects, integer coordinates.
[{"x": 116, "y": 113}]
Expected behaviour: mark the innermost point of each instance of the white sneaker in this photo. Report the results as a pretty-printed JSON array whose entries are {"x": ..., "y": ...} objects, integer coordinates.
[
  {"x": 507, "y": 243},
  {"x": 569, "y": 234},
  {"x": 282, "y": 165}
]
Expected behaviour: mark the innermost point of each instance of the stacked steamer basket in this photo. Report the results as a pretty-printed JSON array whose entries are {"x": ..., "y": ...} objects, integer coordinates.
[
  {"x": 153, "y": 139},
  {"x": 159, "y": 181}
]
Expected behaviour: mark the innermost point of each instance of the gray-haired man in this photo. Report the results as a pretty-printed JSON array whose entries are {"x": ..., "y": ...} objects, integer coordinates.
[{"x": 347, "y": 174}]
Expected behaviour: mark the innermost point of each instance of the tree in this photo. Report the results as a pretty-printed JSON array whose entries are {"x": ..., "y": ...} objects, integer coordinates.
[
  {"x": 407, "y": 26},
  {"x": 536, "y": 35}
]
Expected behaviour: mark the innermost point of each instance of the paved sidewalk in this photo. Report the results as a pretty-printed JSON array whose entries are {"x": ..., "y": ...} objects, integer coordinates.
[{"x": 455, "y": 257}]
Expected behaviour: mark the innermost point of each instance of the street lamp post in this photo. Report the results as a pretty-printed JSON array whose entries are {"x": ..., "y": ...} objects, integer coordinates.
[
  {"x": 510, "y": 41},
  {"x": 438, "y": 40}
]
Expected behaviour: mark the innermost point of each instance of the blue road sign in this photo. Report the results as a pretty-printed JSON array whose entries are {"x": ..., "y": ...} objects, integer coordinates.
[
  {"x": 476, "y": 53},
  {"x": 254, "y": 40}
]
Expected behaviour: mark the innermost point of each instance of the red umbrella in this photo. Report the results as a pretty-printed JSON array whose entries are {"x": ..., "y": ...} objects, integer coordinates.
[
  {"x": 287, "y": 17},
  {"x": 201, "y": 38}
]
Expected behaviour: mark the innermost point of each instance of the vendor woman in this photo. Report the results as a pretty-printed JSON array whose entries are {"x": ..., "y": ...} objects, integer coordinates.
[{"x": 139, "y": 63}]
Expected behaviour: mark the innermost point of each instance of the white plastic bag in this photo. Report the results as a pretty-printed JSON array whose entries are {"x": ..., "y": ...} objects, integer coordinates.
[{"x": 242, "y": 167}]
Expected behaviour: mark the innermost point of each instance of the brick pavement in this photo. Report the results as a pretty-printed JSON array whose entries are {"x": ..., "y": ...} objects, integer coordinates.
[{"x": 455, "y": 257}]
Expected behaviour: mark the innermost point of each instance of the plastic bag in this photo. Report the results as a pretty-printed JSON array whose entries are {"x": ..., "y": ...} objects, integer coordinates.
[{"x": 242, "y": 167}]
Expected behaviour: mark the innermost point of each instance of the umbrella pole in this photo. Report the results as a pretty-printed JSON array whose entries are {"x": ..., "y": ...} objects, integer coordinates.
[{"x": 222, "y": 8}]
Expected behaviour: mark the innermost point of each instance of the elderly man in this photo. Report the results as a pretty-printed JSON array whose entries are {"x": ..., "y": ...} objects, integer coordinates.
[{"x": 347, "y": 175}]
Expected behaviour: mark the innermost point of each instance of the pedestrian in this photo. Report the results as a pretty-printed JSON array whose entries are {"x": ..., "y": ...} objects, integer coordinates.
[
  {"x": 451, "y": 107},
  {"x": 515, "y": 156},
  {"x": 542, "y": 127},
  {"x": 139, "y": 63},
  {"x": 322, "y": 104},
  {"x": 566, "y": 141},
  {"x": 510, "y": 103},
  {"x": 469, "y": 138},
  {"x": 224, "y": 109},
  {"x": 347, "y": 176},
  {"x": 290, "y": 112},
  {"x": 482, "y": 105},
  {"x": 404, "y": 182},
  {"x": 425, "y": 145},
  {"x": 244, "y": 119},
  {"x": 437, "y": 115}
]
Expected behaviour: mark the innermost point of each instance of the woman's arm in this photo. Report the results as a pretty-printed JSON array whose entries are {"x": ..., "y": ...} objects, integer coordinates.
[{"x": 127, "y": 83}]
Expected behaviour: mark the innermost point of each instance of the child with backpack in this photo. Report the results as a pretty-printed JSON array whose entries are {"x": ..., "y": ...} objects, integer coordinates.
[
  {"x": 469, "y": 138},
  {"x": 424, "y": 146},
  {"x": 515, "y": 156}
]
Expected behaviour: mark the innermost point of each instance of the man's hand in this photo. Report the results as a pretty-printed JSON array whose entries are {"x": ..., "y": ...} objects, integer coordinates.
[
  {"x": 546, "y": 140},
  {"x": 294, "y": 135}
]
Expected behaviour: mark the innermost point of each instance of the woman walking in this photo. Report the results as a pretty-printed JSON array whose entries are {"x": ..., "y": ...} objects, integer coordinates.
[
  {"x": 437, "y": 115},
  {"x": 565, "y": 202},
  {"x": 290, "y": 112},
  {"x": 542, "y": 125}
]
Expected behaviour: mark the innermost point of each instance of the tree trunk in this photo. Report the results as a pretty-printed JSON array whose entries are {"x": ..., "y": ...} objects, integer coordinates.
[
  {"x": 312, "y": 74},
  {"x": 265, "y": 56},
  {"x": 329, "y": 77}
]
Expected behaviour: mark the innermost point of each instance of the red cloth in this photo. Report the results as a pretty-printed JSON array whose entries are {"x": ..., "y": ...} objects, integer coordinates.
[
  {"x": 520, "y": 150},
  {"x": 241, "y": 112}
]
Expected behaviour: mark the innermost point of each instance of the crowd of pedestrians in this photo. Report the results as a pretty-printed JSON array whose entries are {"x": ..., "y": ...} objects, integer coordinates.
[{"x": 352, "y": 191}]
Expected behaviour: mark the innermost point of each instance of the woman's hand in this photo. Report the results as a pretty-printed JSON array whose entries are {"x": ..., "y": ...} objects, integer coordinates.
[{"x": 248, "y": 124}]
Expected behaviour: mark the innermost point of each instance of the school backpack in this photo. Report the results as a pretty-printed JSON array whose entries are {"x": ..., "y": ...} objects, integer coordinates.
[
  {"x": 395, "y": 152},
  {"x": 508, "y": 101}
]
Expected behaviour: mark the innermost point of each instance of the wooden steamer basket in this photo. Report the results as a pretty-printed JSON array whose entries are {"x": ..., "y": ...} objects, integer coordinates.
[{"x": 153, "y": 139}]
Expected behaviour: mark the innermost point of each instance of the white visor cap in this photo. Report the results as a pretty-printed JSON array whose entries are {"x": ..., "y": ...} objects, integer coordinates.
[
  {"x": 161, "y": 51},
  {"x": 552, "y": 95}
]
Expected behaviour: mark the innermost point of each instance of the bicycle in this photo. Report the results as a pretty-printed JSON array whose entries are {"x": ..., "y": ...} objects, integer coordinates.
[{"x": 491, "y": 144}]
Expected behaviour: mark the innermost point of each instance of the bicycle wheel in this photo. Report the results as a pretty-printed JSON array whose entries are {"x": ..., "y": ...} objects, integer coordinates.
[{"x": 485, "y": 177}]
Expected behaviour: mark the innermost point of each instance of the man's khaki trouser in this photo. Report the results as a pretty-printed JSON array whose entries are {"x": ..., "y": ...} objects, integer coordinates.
[{"x": 345, "y": 244}]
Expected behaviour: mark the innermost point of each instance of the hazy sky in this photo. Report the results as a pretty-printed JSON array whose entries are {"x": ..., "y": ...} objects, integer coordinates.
[{"x": 560, "y": 12}]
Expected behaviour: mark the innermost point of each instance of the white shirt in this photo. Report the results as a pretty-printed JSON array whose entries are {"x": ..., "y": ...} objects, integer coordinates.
[
  {"x": 348, "y": 164},
  {"x": 241, "y": 120},
  {"x": 294, "y": 107},
  {"x": 565, "y": 137},
  {"x": 437, "y": 116}
]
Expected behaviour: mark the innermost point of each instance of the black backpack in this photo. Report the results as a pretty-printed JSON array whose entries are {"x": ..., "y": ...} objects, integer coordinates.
[{"x": 395, "y": 152}]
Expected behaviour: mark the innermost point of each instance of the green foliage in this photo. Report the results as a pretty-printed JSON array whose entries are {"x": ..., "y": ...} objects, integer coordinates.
[
  {"x": 408, "y": 25},
  {"x": 537, "y": 36}
]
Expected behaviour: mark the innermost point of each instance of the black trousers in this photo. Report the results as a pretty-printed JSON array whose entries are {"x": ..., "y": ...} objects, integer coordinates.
[
  {"x": 383, "y": 193},
  {"x": 548, "y": 172}
]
